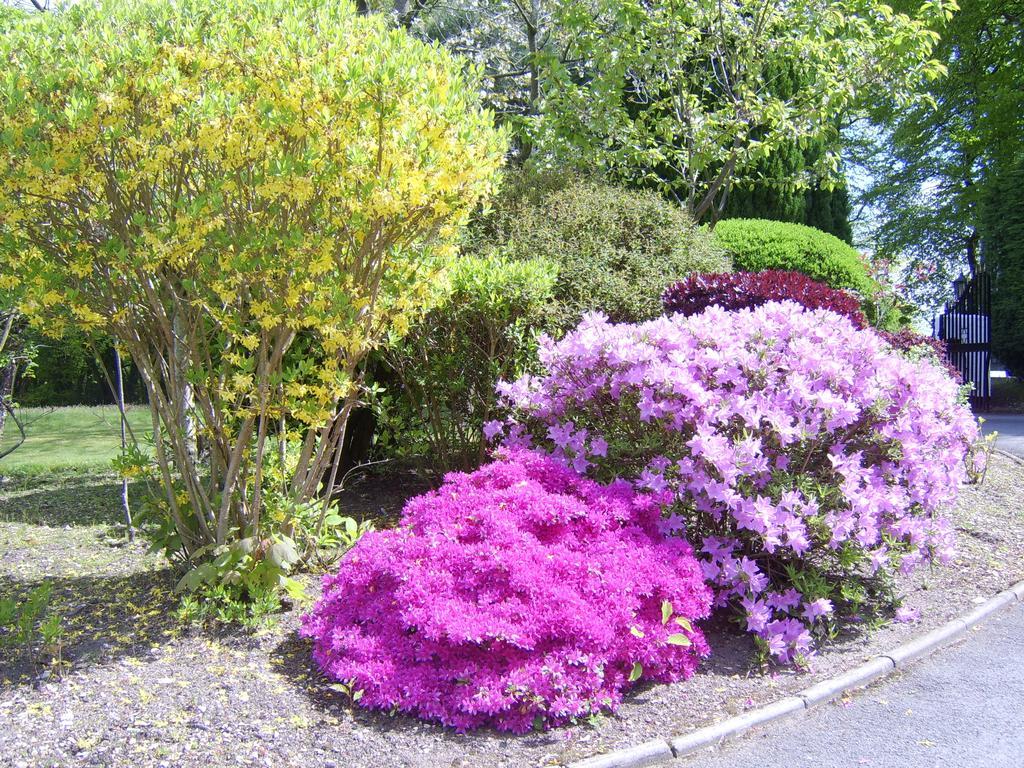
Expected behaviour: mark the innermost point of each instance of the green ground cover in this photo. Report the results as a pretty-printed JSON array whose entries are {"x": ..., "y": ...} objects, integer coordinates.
[
  {"x": 1008, "y": 395},
  {"x": 70, "y": 439}
]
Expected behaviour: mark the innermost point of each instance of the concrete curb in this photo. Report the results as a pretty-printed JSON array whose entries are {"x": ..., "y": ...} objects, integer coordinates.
[
  {"x": 655, "y": 752},
  {"x": 728, "y": 729},
  {"x": 1008, "y": 455},
  {"x": 858, "y": 677},
  {"x": 925, "y": 644},
  {"x": 661, "y": 751}
]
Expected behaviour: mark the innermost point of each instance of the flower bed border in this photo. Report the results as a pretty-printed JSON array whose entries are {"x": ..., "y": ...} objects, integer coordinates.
[{"x": 661, "y": 751}]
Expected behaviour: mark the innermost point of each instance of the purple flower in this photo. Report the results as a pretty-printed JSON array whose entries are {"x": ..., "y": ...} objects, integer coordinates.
[
  {"x": 781, "y": 435},
  {"x": 758, "y": 614},
  {"x": 815, "y": 609},
  {"x": 906, "y": 615}
]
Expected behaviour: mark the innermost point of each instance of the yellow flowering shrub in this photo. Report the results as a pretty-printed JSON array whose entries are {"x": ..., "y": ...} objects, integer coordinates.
[{"x": 248, "y": 195}]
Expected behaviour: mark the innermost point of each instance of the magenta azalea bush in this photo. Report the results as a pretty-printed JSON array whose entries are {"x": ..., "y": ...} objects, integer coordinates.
[
  {"x": 804, "y": 458},
  {"x": 519, "y": 595}
]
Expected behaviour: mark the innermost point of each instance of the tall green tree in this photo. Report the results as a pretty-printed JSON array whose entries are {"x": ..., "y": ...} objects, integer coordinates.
[
  {"x": 930, "y": 164},
  {"x": 782, "y": 189},
  {"x": 681, "y": 95},
  {"x": 1002, "y": 237},
  {"x": 785, "y": 186}
]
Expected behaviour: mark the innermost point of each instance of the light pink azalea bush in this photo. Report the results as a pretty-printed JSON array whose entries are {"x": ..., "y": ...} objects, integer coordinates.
[
  {"x": 522, "y": 594},
  {"x": 804, "y": 455}
]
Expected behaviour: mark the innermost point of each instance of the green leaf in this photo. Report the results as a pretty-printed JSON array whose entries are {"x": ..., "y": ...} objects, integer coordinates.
[
  {"x": 283, "y": 553},
  {"x": 296, "y": 589},
  {"x": 638, "y": 670},
  {"x": 193, "y": 578},
  {"x": 245, "y": 545}
]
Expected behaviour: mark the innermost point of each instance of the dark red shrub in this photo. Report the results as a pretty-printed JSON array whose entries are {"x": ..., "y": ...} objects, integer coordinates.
[{"x": 742, "y": 290}]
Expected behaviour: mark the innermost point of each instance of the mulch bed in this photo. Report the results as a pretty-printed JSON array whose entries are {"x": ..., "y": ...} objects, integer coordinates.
[{"x": 139, "y": 689}]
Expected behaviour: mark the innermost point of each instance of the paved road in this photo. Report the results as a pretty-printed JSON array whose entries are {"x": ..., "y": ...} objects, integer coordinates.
[
  {"x": 962, "y": 707},
  {"x": 1011, "y": 437}
]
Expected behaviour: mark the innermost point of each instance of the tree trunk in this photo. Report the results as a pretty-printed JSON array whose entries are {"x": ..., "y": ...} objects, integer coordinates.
[
  {"x": 972, "y": 252},
  {"x": 7, "y": 375},
  {"x": 119, "y": 394},
  {"x": 186, "y": 406}
]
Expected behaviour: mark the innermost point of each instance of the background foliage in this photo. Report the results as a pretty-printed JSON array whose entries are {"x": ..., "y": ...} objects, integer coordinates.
[
  {"x": 682, "y": 96},
  {"x": 482, "y": 329},
  {"x": 1002, "y": 228},
  {"x": 616, "y": 249},
  {"x": 929, "y": 166}
]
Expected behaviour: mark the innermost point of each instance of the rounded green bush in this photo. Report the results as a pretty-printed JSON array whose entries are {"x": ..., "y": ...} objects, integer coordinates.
[
  {"x": 760, "y": 244},
  {"x": 482, "y": 329},
  {"x": 616, "y": 248}
]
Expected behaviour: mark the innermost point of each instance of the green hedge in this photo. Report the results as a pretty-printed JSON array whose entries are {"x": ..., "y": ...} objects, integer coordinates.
[
  {"x": 616, "y": 249},
  {"x": 482, "y": 329},
  {"x": 758, "y": 244}
]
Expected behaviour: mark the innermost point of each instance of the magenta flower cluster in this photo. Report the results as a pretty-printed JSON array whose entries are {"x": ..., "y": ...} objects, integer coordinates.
[
  {"x": 799, "y": 454},
  {"x": 522, "y": 594}
]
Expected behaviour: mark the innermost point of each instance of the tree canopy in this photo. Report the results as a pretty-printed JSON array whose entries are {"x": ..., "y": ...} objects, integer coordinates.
[
  {"x": 679, "y": 95},
  {"x": 932, "y": 163}
]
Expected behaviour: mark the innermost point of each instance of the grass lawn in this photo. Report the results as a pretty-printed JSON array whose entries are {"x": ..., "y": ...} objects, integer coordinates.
[{"x": 70, "y": 439}]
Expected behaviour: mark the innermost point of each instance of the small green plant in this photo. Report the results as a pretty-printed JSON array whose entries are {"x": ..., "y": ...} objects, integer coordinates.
[
  {"x": 349, "y": 689},
  {"x": 240, "y": 582},
  {"x": 51, "y": 632},
  {"x": 341, "y": 533},
  {"x": 979, "y": 456},
  {"x": 244, "y": 580},
  {"x": 19, "y": 619},
  {"x": 223, "y": 604},
  {"x": 28, "y": 624}
]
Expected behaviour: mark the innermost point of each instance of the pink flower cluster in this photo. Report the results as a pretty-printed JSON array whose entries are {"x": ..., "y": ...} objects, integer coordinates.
[
  {"x": 799, "y": 454},
  {"x": 909, "y": 340},
  {"x": 519, "y": 595}
]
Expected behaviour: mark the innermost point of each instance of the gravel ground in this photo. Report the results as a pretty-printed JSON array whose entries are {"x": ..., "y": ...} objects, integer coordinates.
[{"x": 137, "y": 689}]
